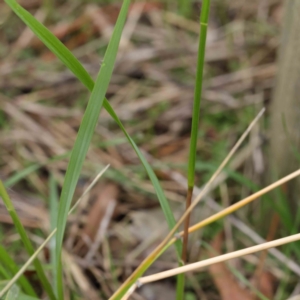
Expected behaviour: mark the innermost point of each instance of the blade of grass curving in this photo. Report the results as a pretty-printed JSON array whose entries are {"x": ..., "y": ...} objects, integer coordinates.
[
  {"x": 26, "y": 241},
  {"x": 144, "y": 265},
  {"x": 73, "y": 64},
  {"x": 160, "y": 194},
  {"x": 13, "y": 179},
  {"x": 11, "y": 266},
  {"x": 35, "y": 254},
  {"x": 53, "y": 197},
  {"x": 84, "y": 136},
  {"x": 195, "y": 119},
  {"x": 64, "y": 54}
]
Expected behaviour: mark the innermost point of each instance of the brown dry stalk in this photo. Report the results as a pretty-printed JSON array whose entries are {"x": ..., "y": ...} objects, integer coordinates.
[
  {"x": 214, "y": 176},
  {"x": 186, "y": 225}
]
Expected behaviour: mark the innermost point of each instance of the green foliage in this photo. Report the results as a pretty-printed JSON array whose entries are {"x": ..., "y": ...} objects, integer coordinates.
[
  {"x": 26, "y": 241},
  {"x": 75, "y": 67},
  {"x": 11, "y": 266},
  {"x": 90, "y": 118},
  {"x": 197, "y": 93},
  {"x": 195, "y": 119},
  {"x": 30, "y": 169},
  {"x": 53, "y": 221},
  {"x": 84, "y": 136},
  {"x": 15, "y": 294}
]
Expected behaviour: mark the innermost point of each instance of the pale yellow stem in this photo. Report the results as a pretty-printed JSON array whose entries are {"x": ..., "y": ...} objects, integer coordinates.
[{"x": 218, "y": 259}]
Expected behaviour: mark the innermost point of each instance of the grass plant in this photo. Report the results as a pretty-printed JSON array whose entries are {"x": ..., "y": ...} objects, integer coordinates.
[
  {"x": 86, "y": 130},
  {"x": 19, "y": 274},
  {"x": 195, "y": 125},
  {"x": 26, "y": 241}
]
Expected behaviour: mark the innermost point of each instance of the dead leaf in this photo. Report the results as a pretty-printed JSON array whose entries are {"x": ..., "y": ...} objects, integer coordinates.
[
  {"x": 228, "y": 287},
  {"x": 97, "y": 212},
  {"x": 262, "y": 279},
  {"x": 265, "y": 284}
]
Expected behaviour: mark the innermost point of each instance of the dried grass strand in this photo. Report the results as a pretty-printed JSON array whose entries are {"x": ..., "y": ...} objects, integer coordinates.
[{"x": 218, "y": 259}]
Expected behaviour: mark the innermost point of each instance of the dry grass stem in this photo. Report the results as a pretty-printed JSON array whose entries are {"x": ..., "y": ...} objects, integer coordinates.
[
  {"x": 218, "y": 259},
  {"x": 241, "y": 203}
]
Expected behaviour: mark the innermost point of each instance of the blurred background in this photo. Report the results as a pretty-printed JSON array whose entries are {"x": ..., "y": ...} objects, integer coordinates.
[{"x": 251, "y": 62}]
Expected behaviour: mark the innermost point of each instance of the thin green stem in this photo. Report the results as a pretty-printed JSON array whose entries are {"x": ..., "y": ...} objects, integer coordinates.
[
  {"x": 53, "y": 197},
  {"x": 197, "y": 93},
  {"x": 26, "y": 241},
  {"x": 180, "y": 285},
  {"x": 195, "y": 123}
]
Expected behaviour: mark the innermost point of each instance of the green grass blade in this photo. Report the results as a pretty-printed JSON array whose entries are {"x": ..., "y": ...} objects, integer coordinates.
[
  {"x": 53, "y": 221},
  {"x": 11, "y": 266},
  {"x": 9, "y": 284},
  {"x": 197, "y": 92},
  {"x": 59, "y": 49},
  {"x": 84, "y": 136},
  {"x": 180, "y": 283},
  {"x": 32, "y": 168},
  {"x": 194, "y": 131},
  {"x": 26, "y": 241},
  {"x": 3, "y": 273},
  {"x": 20, "y": 175},
  {"x": 160, "y": 194}
]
